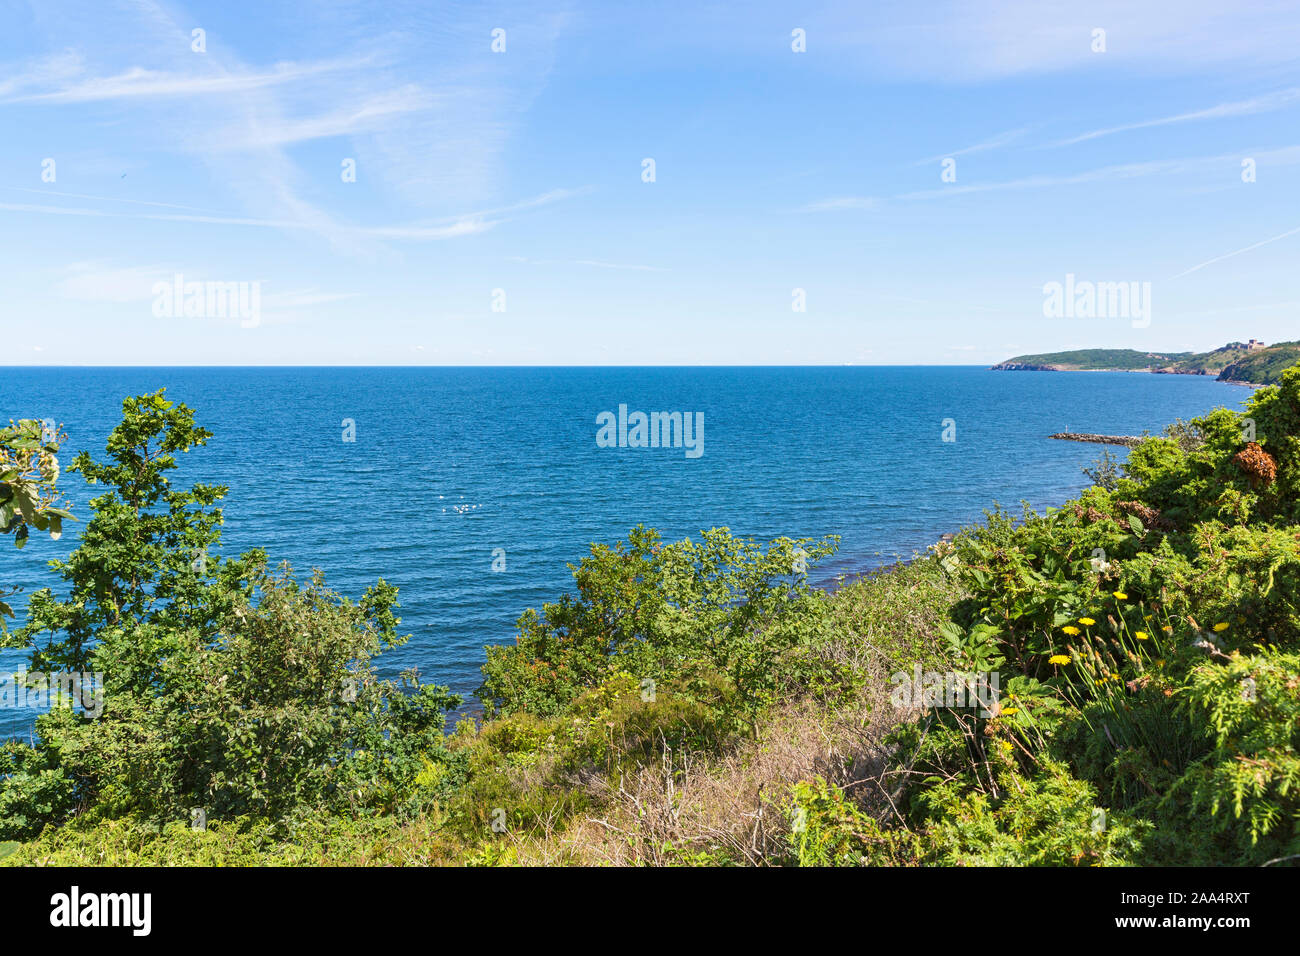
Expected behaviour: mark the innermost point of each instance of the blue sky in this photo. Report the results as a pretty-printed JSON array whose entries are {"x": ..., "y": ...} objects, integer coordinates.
[{"x": 522, "y": 171}]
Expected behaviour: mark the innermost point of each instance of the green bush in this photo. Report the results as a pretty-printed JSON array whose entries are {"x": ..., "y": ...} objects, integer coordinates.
[
  {"x": 33, "y": 791},
  {"x": 1047, "y": 819},
  {"x": 1249, "y": 784},
  {"x": 1136, "y": 614},
  {"x": 735, "y": 626},
  {"x": 827, "y": 829}
]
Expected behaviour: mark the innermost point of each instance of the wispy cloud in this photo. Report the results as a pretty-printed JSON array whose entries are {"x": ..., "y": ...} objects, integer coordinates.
[
  {"x": 449, "y": 227},
  {"x": 954, "y": 41},
  {"x": 369, "y": 116},
  {"x": 631, "y": 267},
  {"x": 542, "y": 199},
  {"x": 1259, "y": 104},
  {"x": 464, "y": 227},
  {"x": 1115, "y": 172},
  {"x": 1118, "y": 171},
  {"x": 1283, "y": 156},
  {"x": 139, "y": 82},
  {"x": 1165, "y": 167},
  {"x": 48, "y": 71},
  {"x": 842, "y": 202},
  {"x": 121, "y": 199},
  {"x": 1237, "y": 252},
  {"x": 427, "y": 112},
  {"x": 995, "y": 142},
  {"x": 592, "y": 263}
]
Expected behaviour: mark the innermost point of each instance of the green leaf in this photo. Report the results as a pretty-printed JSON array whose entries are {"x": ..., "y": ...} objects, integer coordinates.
[
  {"x": 951, "y": 631},
  {"x": 25, "y": 502}
]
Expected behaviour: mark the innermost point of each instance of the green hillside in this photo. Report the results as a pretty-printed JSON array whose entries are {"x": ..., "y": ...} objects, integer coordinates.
[
  {"x": 1235, "y": 362},
  {"x": 1096, "y": 359},
  {"x": 1264, "y": 367}
]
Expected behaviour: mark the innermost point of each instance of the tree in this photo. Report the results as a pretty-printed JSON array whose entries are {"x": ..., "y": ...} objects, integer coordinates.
[
  {"x": 143, "y": 575},
  {"x": 225, "y": 688}
]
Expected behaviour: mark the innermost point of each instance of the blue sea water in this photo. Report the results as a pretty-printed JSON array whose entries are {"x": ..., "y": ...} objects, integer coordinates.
[{"x": 450, "y": 464}]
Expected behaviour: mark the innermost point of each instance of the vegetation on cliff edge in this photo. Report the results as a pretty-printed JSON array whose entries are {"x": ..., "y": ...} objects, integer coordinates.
[{"x": 697, "y": 702}]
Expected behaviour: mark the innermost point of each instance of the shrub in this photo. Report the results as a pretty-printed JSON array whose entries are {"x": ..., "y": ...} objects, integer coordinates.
[
  {"x": 1047, "y": 819},
  {"x": 827, "y": 829},
  {"x": 1249, "y": 784},
  {"x": 735, "y": 626}
]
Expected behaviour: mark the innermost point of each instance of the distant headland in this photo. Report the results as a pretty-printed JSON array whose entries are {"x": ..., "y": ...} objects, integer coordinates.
[{"x": 1247, "y": 363}]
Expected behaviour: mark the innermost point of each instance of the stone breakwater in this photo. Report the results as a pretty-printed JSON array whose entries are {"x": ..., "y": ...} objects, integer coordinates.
[{"x": 1127, "y": 441}]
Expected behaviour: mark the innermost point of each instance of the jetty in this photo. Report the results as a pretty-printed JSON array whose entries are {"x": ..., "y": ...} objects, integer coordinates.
[{"x": 1127, "y": 441}]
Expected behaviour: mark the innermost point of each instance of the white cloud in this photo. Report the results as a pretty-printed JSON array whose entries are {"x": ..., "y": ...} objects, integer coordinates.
[
  {"x": 954, "y": 41},
  {"x": 139, "y": 82},
  {"x": 449, "y": 227},
  {"x": 1259, "y": 104},
  {"x": 48, "y": 71},
  {"x": 995, "y": 142},
  {"x": 136, "y": 202},
  {"x": 369, "y": 116},
  {"x": 842, "y": 202},
  {"x": 1284, "y": 156},
  {"x": 428, "y": 109},
  {"x": 596, "y": 263},
  {"x": 1229, "y": 255}
]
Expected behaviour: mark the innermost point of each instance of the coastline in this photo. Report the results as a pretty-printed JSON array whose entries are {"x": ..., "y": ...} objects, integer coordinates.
[
  {"x": 1136, "y": 371},
  {"x": 1236, "y": 363}
]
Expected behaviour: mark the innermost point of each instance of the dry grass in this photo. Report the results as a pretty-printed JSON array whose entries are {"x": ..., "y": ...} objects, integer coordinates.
[
  {"x": 731, "y": 807},
  {"x": 693, "y": 808}
]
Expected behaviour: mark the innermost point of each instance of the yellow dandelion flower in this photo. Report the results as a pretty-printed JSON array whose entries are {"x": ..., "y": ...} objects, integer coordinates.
[
  {"x": 1087, "y": 621},
  {"x": 1221, "y": 626},
  {"x": 1121, "y": 595},
  {"x": 1167, "y": 629},
  {"x": 1059, "y": 659},
  {"x": 1142, "y": 636},
  {"x": 1006, "y": 745},
  {"x": 1008, "y": 711},
  {"x": 1071, "y": 630}
]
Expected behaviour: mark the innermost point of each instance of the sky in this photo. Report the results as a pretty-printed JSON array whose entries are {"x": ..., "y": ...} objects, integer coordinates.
[{"x": 869, "y": 183}]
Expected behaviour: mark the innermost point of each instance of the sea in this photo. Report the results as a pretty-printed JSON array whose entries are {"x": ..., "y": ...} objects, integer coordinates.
[{"x": 473, "y": 490}]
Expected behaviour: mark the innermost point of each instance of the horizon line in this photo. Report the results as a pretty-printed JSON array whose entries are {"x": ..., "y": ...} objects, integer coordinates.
[{"x": 538, "y": 366}]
